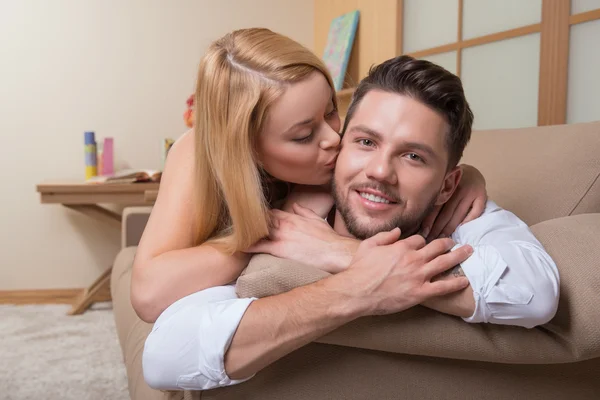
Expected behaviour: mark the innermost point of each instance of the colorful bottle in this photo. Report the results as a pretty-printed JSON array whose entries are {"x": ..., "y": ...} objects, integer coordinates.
[
  {"x": 91, "y": 160},
  {"x": 108, "y": 157}
]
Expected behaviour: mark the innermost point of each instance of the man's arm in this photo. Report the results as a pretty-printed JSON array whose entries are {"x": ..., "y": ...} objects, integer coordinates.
[
  {"x": 231, "y": 339},
  {"x": 513, "y": 280},
  {"x": 460, "y": 304},
  {"x": 382, "y": 281}
]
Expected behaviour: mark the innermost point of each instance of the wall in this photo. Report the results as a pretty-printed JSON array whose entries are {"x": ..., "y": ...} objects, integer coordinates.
[
  {"x": 522, "y": 63},
  {"x": 122, "y": 68}
]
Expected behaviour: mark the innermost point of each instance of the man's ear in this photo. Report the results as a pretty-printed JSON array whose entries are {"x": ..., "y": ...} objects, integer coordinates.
[{"x": 449, "y": 185}]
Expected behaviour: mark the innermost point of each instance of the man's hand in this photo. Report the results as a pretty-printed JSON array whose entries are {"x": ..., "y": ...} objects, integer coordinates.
[
  {"x": 466, "y": 204},
  {"x": 307, "y": 238},
  {"x": 391, "y": 276}
]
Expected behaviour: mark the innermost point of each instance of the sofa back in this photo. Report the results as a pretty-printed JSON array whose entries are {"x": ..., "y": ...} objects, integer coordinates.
[{"x": 540, "y": 173}]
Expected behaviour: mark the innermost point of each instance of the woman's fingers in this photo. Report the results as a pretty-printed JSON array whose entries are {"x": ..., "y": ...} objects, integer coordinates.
[
  {"x": 305, "y": 212},
  {"x": 457, "y": 218},
  {"x": 476, "y": 210},
  {"x": 429, "y": 220},
  {"x": 442, "y": 219}
]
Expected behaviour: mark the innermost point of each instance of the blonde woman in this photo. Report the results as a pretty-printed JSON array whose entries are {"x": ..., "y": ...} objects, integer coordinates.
[{"x": 266, "y": 130}]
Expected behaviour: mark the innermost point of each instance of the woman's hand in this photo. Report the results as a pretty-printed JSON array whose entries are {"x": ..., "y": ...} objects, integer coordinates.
[
  {"x": 305, "y": 237},
  {"x": 466, "y": 204}
]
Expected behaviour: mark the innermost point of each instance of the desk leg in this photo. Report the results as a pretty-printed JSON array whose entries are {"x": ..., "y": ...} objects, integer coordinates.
[
  {"x": 100, "y": 289},
  {"x": 96, "y": 292}
]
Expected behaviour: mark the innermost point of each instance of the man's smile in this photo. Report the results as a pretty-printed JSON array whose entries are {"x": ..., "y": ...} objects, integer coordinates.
[{"x": 374, "y": 200}]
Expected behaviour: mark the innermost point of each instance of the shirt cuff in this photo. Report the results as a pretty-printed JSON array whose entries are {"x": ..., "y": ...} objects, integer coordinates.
[
  {"x": 216, "y": 330},
  {"x": 483, "y": 269}
]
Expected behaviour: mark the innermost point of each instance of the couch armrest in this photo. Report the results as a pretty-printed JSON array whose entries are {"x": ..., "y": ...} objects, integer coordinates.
[
  {"x": 133, "y": 224},
  {"x": 573, "y": 335}
]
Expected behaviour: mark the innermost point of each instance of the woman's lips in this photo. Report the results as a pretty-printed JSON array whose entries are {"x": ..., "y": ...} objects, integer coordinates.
[{"x": 331, "y": 163}]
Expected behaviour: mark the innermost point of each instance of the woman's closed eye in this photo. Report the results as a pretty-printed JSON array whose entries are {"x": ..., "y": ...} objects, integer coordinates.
[
  {"x": 331, "y": 113},
  {"x": 304, "y": 139}
]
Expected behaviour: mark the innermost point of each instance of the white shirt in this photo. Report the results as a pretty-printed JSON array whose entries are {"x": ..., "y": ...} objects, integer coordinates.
[{"x": 514, "y": 282}]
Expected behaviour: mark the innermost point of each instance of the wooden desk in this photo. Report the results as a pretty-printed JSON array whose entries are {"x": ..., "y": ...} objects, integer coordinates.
[{"x": 86, "y": 198}]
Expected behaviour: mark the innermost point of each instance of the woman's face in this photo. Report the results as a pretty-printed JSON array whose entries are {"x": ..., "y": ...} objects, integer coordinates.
[{"x": 300, "y": 141}]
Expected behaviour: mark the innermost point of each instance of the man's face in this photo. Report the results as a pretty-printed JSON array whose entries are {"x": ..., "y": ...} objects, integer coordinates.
[{"x": 392, "y": 168}]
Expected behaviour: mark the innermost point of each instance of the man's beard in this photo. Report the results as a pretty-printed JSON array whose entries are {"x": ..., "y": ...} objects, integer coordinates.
[{"x": 408, "y": 224}]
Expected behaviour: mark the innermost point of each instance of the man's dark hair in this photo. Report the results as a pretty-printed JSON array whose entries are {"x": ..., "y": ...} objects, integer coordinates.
[{"x": 428, "y": 83}]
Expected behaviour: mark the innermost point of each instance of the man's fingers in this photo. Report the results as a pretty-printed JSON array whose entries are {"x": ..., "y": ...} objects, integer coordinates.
[
  {"x": 382, "y": 238},
  {"x": 476, "y": 210},
  {"x": 429, "y": 220},
  {"x": 447, "y": 261},
  {"x": 459, "y": 215},
  {"x": 305, "y": 212},
  {"x": 441, "y": 288},
  {"x": 415, "y": 242},
  {"x": 437, "y": 248}
]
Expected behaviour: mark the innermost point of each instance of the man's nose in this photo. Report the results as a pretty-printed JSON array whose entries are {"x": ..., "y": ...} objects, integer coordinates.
[
  {"x": 381, "y": 170},
  {"x": 330, "y": 139}
]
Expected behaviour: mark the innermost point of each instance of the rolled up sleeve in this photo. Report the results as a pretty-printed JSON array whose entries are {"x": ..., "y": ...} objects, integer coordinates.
[
  {"x": 186, "y": 348},
  {"x": 514, "y": 280}
]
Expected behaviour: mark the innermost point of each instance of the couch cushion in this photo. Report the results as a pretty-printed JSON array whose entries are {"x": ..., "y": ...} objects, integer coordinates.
[
  {"x": 573, "y": 335},
  {"x": 131, "y": 330},
  {"x": 540, "y": 173}
]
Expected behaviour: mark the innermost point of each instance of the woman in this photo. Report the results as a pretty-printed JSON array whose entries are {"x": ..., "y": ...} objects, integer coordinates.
[{"x": 266, "y": 118}]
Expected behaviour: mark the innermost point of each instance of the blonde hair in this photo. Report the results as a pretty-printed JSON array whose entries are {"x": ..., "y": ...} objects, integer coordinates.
[{"x": 239, "y": 78}]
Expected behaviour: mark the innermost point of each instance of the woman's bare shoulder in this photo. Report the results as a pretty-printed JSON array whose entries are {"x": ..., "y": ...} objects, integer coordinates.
[
  {"x": 183, "y": 147},
  {"x": 171, "y": 222}
]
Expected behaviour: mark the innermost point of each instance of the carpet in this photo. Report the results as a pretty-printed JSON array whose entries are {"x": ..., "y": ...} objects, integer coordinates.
[{"x": 46, "y": 354}]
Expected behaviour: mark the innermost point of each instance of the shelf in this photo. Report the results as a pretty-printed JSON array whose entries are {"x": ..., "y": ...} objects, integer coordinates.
[
  {"x": 345, "y": 92},
  {"x": 344, "y": 96}
]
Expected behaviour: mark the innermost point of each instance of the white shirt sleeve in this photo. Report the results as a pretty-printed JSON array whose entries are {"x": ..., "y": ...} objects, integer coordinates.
[
  {"x": 186, "y": 348},
  {"x": 514, "y": 280}
]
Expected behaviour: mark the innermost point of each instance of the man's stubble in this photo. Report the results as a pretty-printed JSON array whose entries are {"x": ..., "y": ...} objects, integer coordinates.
[{"x": 408, "y": 224}]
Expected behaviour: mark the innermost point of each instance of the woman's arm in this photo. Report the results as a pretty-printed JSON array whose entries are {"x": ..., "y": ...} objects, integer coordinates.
[
  {"x": 466, "y": 204},
  {"x": 318, "y": 199},
  {"x": 167, "y": 265}
]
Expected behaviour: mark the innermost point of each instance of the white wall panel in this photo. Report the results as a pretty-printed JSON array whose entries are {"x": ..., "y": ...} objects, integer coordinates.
[
  {"x": 583, "y": 94},
  {"x": 429, "y": 23},
  {"x": 501, "y": 82},
  {"x": 446, "y": 60},
  {"x": 483, "y": 17},
  {"x": 579, "y": 6}
]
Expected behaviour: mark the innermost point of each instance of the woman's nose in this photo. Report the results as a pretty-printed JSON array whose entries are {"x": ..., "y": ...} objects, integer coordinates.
[{"x": 331, "y": 139}]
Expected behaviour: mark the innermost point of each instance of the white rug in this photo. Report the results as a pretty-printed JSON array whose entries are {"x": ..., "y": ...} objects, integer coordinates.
[{"x": 45, "y": 354}]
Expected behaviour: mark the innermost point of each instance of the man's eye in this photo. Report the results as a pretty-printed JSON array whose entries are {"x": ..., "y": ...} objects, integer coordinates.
[
  {"x": 414, "y": 157},
  {"x": 366, "y": 142}
]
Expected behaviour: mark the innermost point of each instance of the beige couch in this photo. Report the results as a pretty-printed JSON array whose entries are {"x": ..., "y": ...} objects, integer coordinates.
[{"x": 548, "y": 176}]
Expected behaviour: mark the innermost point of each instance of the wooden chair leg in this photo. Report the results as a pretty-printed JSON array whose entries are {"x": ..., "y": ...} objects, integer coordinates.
[{"x": 100, "y": 286}]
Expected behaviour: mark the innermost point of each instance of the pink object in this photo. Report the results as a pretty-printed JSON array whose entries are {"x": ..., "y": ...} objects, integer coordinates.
[{"x": 107, "y": 157}]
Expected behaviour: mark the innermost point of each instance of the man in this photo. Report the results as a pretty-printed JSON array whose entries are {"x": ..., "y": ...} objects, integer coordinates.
[{"x": 404, "y": 135}]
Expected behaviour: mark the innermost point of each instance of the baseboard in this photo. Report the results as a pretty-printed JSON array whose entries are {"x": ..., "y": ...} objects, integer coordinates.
[{"x": 39, "y": 296}]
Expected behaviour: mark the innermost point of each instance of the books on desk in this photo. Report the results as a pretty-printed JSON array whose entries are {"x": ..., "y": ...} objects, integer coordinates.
[{"x": 128, "y": 176}]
